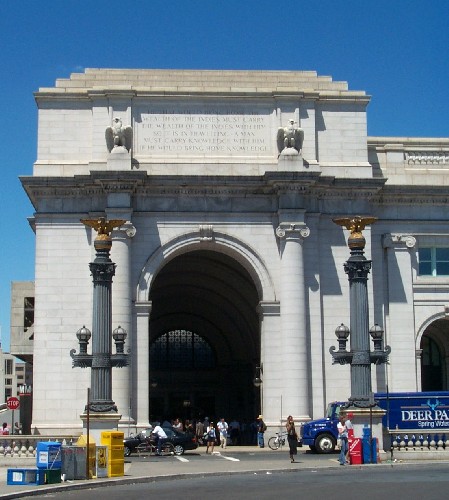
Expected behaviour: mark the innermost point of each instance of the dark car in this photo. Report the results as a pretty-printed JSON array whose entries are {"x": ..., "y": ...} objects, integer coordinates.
[{"x": 182, "y": 441}]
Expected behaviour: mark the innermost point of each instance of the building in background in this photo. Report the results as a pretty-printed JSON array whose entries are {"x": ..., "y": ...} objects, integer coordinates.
[{"x": 229, "y": 264}]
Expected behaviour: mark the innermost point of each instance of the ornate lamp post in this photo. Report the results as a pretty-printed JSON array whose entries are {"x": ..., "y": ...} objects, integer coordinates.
[
  {"x": 101, "y": 360},
  {"x": 357, "y": 267}
]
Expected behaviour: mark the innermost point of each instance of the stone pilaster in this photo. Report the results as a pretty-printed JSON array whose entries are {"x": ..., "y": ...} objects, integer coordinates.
[
  {"x": 121, "y": 309},
  {"x": 294, "y": 356},
  {"x": 400, "y": 314},
  {"x": 141, "y": 364}
]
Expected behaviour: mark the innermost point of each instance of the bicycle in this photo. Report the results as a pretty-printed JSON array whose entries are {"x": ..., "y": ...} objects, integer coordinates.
[
  {"x": 275, "y": 442},
  {"x": 142, "y": 444}
]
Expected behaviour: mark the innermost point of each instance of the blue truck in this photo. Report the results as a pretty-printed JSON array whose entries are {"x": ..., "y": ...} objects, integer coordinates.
[{"x": 405, "y": 411}]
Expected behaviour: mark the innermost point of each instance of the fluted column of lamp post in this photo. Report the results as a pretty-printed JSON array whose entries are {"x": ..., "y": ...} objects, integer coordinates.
[
  {"x": 357, "y": 267},
  {"x": 101, "y": 360}
]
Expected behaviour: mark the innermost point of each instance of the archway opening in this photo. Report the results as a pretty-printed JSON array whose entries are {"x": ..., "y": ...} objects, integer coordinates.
[
  {"x": 435, "y": 346},
  {"x": 204, "y": 339}
]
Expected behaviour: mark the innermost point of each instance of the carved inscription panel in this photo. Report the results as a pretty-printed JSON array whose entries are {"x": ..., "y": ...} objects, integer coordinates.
[{"x": 203, "y": 131}]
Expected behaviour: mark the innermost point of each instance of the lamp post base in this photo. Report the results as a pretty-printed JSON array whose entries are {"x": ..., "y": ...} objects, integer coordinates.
[
  {"x": 99, "y": 422},
  {"x": 368, "y": 418}
]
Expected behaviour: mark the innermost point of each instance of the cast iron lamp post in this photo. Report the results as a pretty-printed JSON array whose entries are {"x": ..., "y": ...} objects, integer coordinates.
[
  {"x": 357, "y": 267},
  {"x": 101, "y": 360}
]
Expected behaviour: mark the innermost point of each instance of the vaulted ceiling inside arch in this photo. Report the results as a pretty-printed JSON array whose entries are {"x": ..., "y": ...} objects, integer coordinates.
[{"x": 211, "y": 294}]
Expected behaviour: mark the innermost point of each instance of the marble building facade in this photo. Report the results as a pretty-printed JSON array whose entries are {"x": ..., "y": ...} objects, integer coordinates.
[{"x": 229, "y": 262}]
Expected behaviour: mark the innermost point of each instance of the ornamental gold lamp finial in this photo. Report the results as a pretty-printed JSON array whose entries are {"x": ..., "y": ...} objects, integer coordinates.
[
  {"x": 356, "y": 225},
  {"x": 104, "y": 229}
]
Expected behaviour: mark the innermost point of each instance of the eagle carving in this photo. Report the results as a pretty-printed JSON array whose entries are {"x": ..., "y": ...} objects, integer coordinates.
[
  {"x": 290, "y": 137},
  {"x": 102, "y": 226},
  {"x": 118, "y": 136}
]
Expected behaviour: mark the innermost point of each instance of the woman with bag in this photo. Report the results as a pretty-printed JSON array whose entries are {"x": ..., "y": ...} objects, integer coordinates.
[
  {"x": 292, "y": 437},
  {"x": 210, "y": 438}
]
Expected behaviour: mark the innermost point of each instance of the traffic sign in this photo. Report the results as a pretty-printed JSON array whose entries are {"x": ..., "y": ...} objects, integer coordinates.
[{"x": 13, "y": 403}]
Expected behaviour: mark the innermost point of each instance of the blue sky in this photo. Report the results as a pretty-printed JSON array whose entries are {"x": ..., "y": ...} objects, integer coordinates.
[{"x": 395, "y": 50}]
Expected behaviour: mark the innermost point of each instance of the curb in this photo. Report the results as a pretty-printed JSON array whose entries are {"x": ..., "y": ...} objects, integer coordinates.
[{"x": 97, "y": 483}]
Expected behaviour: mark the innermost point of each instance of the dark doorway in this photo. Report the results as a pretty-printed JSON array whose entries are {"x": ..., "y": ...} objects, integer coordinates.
[
  {"x": 204, "y": 339},
  {"x": 434, "y": 344}
]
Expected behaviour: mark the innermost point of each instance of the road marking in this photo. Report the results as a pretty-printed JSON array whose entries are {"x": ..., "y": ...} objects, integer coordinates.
[
  {"x": 181, "y": 459},
  {"x": 232, "y": 459}
]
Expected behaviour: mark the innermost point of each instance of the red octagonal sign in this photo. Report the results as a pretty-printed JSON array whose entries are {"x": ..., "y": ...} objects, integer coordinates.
[{"x": 13, "y": 403}]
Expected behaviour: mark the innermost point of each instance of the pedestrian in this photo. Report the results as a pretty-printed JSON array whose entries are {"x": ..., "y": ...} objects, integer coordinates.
[
  {"x": 199, "y": 431},
  {"x": 178, "y": 425},
  {"x": 5, "y": 429},
  {"x": 234, "y": 432},
  {"x": 159, "y": 434},
  {"x": 292, "y": 437},
  {"x": 343, "y": 436},
  {"x": 222, "y": 427},
  {"x": 261, "y": 428},
  {"x": 350, "y": 429},
  {"x": 210, "y": 438}
]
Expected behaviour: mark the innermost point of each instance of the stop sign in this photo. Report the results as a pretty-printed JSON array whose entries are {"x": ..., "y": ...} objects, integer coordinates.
[{"x": 13, "y": 403}]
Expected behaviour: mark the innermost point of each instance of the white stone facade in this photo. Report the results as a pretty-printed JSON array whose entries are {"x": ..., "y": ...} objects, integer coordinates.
[{"x": 228, "y": 239}]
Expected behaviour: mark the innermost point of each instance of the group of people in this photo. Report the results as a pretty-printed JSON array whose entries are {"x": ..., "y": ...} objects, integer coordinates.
[{"x": 209, "y": 433}]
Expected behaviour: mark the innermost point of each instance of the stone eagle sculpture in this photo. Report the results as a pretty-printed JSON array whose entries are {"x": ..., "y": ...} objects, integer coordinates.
[
  {"x": 118, "y": 136},
  {"x": 290, "y": 138}
]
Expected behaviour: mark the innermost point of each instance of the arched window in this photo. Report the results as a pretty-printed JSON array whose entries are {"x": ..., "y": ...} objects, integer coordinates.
[
  {"x": 181, "y": 349},
  {"x": 431, "y": 365}
]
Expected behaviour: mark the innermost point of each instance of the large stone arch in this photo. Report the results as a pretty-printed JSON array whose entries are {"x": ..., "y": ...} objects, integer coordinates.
[
  {"x": 173, "y": 283},
  {"x": 433, "y": 332},
  {"x": 218, "y": 242}
]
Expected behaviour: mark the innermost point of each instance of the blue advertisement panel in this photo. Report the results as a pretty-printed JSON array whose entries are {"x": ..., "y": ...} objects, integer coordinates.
[{"x": 415, "y": 411}]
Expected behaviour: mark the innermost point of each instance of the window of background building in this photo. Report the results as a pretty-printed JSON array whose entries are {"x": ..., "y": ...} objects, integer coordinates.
[
  {"x": 433, "y": 261},
  {"x": 28, "y": 312},
  {"x": 8, "y": 367},
  {"x": 8, "y": 381}
]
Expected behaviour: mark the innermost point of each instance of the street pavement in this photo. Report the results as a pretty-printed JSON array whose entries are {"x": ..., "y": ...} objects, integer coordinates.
[{"x": 145, "y": 468}]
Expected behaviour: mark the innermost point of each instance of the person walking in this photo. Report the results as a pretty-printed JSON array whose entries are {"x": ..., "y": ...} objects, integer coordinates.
[
  {"x": 210, "y": 438},
  {"x": 222, "y": 427},
  {"x": 343, "y": 436},
  {"x": 261, "y": 428},
  {"x": 350, "y": 430},
  {"x": 199, "y": 431},
  {"x": 292, "y": 437}
]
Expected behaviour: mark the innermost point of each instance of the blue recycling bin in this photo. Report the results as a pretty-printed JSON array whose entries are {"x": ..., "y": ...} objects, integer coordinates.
[{"x": 369, "y": 453}]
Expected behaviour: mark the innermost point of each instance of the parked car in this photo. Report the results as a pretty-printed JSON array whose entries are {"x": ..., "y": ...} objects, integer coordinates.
[{"x": 182, "y": 441}]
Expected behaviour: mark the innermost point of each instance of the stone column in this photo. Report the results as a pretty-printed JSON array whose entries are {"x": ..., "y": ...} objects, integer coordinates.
[
  {"x": 294, "y": 357},
  {"x": 141, "y": 364},
  {"x": 121, "y": 310}
]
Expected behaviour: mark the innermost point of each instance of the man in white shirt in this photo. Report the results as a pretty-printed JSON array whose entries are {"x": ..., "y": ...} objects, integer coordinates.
[
  {"x": 161, "y": 437},
  {"x": 222, "y": 427}
]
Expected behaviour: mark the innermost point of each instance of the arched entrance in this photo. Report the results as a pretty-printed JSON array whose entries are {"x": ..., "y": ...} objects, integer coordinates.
[
  {"x": 204, "y": 339},
  {"x": 435, "y": 350}
]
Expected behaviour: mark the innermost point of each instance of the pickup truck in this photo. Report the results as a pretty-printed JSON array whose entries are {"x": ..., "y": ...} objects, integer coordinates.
[{"x": 410, "y": 411}]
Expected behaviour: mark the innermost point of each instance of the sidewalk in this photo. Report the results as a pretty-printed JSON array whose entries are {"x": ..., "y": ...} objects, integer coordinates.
[{"x": 166, "y": 468}]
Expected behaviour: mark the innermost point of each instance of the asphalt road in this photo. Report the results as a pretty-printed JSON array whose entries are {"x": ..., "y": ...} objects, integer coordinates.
[{"x": 429, "y": 481}]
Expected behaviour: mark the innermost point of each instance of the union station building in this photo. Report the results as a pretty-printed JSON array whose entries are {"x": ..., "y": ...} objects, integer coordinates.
[{"x": 229, "y": 267}]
